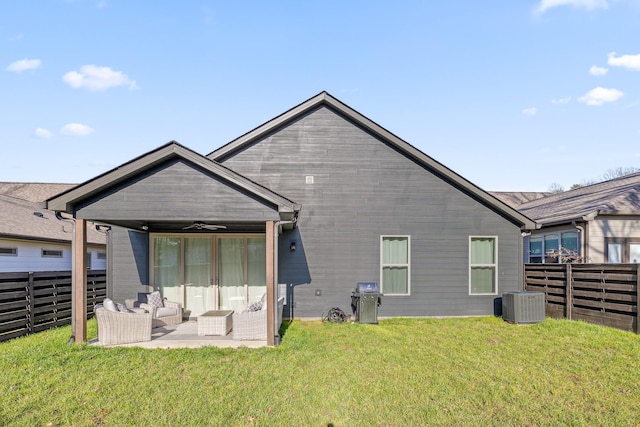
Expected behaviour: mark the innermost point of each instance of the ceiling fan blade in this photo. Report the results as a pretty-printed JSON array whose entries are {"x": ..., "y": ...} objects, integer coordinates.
[{"x": 201, "y": 225}]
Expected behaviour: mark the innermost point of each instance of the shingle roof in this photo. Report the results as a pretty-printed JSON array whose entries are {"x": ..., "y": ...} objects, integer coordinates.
[
  {"x": 23, "y": 219},
  {"x": 517, "y": 198},
  {"x": 616, "y": 196},
  {"x": 33, "y": 191}
]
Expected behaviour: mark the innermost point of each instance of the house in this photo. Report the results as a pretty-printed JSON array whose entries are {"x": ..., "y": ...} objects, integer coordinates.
[
  {"x": 598, "y": 223},
  {"x": 33, "y": 238},
  {"x": 306, "y": 205}
]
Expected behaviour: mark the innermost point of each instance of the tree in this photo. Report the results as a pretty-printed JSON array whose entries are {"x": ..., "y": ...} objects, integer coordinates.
[
  {"x": 556, "y": 188},
  {"x": 618, "y": 172}
]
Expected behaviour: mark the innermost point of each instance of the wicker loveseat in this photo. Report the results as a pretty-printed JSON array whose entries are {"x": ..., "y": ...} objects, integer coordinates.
[
  {"x": 252, "y": 325},
  {"x": 119, "y": 327}
]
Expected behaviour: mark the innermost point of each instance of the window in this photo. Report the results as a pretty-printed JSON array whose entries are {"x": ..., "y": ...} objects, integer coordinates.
[
  {"x": 555, "y": 247},
  {"x": 395, "y": 256},
  {"x": 535, "y": 249},
  {"x": 52, "y": 253},
  {"x": 89, "y": 260},
  {"x": 551, "y": 247},
  {"x": 9, "y": 251},
  {"x": 483, "y": 263},
  {"x": 621, "y": 250},
  {"x": 101, "y": 255}
]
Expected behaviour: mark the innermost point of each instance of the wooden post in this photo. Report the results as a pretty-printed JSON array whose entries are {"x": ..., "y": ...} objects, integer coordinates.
[
  {"x": 272, "y": 304},
  {"x": 569, "y": 291},
  {"x": 31, "y": 316},
  {"x": 637, "y": 298},
  {"x": 80, "y": 280}
]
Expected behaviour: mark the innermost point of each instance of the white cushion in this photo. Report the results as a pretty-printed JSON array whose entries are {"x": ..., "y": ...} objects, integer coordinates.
[
  {"x": 166, "y": 311},
  {"x": 109, "y": 304}
]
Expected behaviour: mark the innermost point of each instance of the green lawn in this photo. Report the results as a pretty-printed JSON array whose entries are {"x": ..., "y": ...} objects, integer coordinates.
[{"x": 403, "y": 372}]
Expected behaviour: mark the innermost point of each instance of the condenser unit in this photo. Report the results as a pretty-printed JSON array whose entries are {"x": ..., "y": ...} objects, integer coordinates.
[{"x": 523, "y": 307}]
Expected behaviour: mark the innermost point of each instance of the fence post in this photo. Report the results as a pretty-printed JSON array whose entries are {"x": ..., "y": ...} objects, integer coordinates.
[
  {"x": 637, "y": 298},
  {"x": 569, "y": 290},
  {"x": 31, "y": 308}
]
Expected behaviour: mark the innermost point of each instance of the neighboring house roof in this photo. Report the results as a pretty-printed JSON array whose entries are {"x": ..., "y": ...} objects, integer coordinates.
[
  {"x": 26, "y": 220},
  {"x": 517, "y": 198},
  {"x": 33, "y": 191},
  {"x": 619, "y": 196},
  {"x": 66, "y": 201},
  {"x": 325, "y": 99}
]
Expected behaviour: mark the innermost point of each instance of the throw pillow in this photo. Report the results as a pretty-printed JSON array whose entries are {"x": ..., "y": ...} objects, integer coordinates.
[
  {"x": 123, "y": 308},
  {"x": 256, "y": 306},
  {"x": 154, "y": 298},
  {"x": 142, "y": 298},
  {"x": 109, "y": 304}
]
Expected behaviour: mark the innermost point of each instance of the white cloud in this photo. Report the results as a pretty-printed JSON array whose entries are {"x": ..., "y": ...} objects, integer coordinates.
[
  {"x": 561, "y": 100},
  {"x": 23, "y": 65},
  {"x": 586, "y": 4},
  {"x": 530, "y": 112},
  {"x": 627, "y": 61},
  {"x": 598, "y": 71},
  {"x": 93, "y": 77},
  {"x": 42, "y": 133},
  {"x": 599, "y": 95},
  {"x": 76, "y": 129}
]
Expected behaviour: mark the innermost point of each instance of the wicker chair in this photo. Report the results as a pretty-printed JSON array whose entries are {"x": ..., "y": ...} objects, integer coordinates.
[
  {"x": 116, "y": 327},
  {"x": 170, "y": 314},
  {"x": 252, "y": 325}
]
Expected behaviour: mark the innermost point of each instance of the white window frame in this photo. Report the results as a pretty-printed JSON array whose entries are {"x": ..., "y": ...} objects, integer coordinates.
[
  {"x": 8, "y": 251},
  {"x": 407, "y": 264},
  {"x": 51, "y": 253},
  {"x": 494, "y": 265}
]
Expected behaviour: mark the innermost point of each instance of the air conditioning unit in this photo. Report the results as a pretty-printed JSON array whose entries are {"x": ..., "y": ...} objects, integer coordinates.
[{"x": 523, "y": 307}]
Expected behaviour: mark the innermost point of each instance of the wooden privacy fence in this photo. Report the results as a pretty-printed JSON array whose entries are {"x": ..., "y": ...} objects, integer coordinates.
[
  {"x": 605, "y": 294},
  {"x": 35, "y": 301}
]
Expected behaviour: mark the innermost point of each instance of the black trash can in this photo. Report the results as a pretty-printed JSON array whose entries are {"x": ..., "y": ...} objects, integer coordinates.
[{"x": 365, "y": 301}]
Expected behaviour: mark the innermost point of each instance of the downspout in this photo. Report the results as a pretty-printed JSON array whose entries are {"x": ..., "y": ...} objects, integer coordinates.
[
  {"x": 276, "y": 236},
  {"x": 59, "y": 217},
  {"x": 583, "y": 240}
]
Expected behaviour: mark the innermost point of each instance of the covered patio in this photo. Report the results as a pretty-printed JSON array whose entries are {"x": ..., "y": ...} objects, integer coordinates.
[{"x": 181, "y": 224}]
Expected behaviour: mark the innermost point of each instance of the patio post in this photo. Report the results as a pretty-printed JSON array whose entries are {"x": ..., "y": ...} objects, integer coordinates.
[
  {"x": 271, "y": 280},
  {"x": 79, "y": 281}
]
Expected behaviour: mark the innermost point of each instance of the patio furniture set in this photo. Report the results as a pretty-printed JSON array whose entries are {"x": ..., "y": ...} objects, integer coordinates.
[{"x": 133, "y": 322}]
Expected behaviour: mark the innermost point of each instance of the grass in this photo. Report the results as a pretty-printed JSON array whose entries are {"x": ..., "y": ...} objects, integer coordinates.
[{"x": 403, "y": 372}]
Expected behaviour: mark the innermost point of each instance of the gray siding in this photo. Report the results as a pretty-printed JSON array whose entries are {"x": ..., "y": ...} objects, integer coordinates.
[
  {"x": 128, "y": 267},
  {"x": 177, "y": 190},
  {"x": 362, "y": 189}
]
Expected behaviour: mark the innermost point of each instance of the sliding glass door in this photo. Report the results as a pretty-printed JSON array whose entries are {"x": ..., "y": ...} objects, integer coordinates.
[
  {"x": 209, "y": 272},
  {"x": 242, "y": 271},
  {"x": 197, "y": 274}
]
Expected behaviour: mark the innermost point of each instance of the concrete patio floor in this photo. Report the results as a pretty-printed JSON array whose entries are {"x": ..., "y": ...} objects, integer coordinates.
[{"x": 185, "y": 335}]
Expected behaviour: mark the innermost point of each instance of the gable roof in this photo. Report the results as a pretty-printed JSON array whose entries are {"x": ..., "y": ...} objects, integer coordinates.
[
  {"x": 67, "y": 201},
  {"x": 26, "y": 220},
  {"x": 619, "y": 196},
  {"x": 325, "y": 99}
]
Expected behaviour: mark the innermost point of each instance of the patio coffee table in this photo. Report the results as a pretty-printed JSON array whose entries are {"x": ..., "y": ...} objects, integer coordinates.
[{"x": 215, "y": 322}]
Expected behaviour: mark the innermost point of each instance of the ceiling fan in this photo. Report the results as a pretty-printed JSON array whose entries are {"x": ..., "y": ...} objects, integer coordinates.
[{"x": 203, "y": 226}]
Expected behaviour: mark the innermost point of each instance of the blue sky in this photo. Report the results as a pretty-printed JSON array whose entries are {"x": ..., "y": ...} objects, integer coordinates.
[{"x": 512, "y": 95}]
